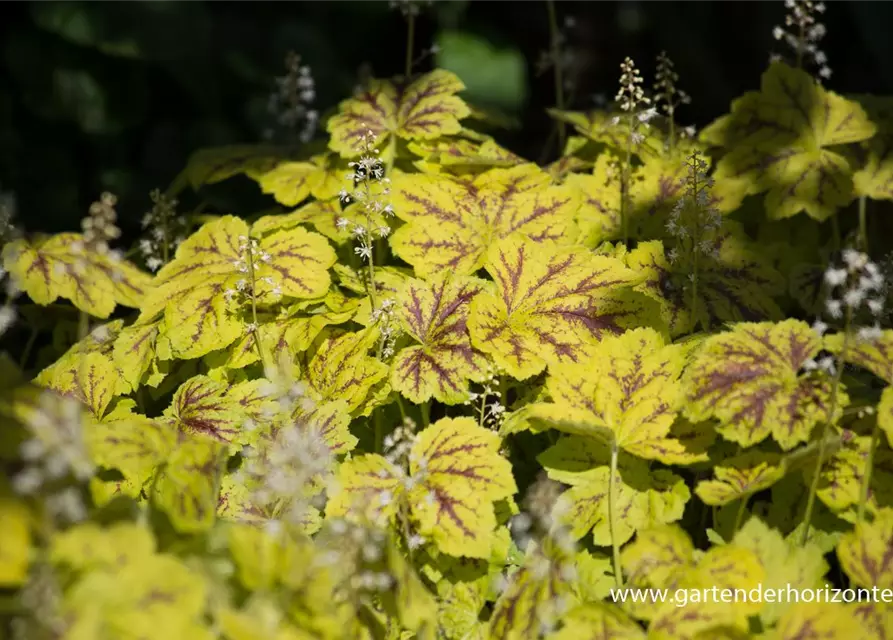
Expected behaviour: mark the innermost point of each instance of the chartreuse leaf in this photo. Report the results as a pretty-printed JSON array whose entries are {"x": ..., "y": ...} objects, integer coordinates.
[
  {"x": 215, "y": 164},
  {"x": 426, "y": 108},
  {"x": 91, "y": 379},
  {"x": 134, "y": 354},
  {"x": 735, "y": 283},
  {"x": 88, "y": 546},
  {"x": 534, "y": 599},
  {"x": 598, "y": 621},
  {"x": 100, "y": 340},
  {"x": 292, "y": 182},
  {"x": 15, "y": 540},
  {"x": 129, "y": 442},
  {"x": 875, "y": 177},
  {"x": 322, "y": 215},
  {"x": 342, "y": 370},
  {"x": 155, "y": 597},
  {"x": 866, "y": 553},
  {"x": 414, "y": 605},
  {"x": 290, "y": 331},
  {"x": 749, "y": 379},
  {"x": 459, "y": 475},
  {"x": 551, "y": 305},
  {"x": 784, "y": 562},
  {"x": 643, "y": 498},
  {"x": 452, "y": 223},
  {"x": 62, "y": 266},
  {"x": 461, "y": 157},
  {"x": 816, "y": 620},
  {"x": 610, "y": 130},
  {"x": 657, "y": 559},
  {"x": 434, "y": 314},
  {"x": 187, "y": 486},
  {"x": 260, "y": 620},
  {"x": 628, "y": 391},
  {"x": 726, "y": 567},
  {"x": 741, "y": 476},
  {"x": 841, "y": 479},
  {"x": 664, "y": 558},
  {"x": 198, "y": 408},
  {"x": 191, "y": 289},
  {"x": 598, "y": 216},
  {"x": 781, "y": 141},
  {"x": 875, "y": 356}
]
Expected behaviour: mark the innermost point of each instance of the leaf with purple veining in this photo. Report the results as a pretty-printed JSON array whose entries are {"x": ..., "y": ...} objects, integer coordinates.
[
  {"x": 435, "y": 314},
  {"x": 452, "y": 223}
]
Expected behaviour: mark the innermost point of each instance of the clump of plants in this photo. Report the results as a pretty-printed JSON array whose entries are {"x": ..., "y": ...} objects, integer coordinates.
[{"x": 445, "y": 392}]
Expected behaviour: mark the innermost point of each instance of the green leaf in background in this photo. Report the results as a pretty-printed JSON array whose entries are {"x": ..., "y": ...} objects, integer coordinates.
[{"x": 493, "y": 77}]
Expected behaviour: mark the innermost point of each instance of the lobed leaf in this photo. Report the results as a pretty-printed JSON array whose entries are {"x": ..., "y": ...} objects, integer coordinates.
[
  {"x": 750, "y": 380},
  {"x": 62, "y": 266},
  {"x": 452, "y": 223},
  {"x": 550, "y": 305},
  {"x": 435, "y": 314},
  {"x": 425, "y": 109},
  {"x": 780, "y": 137}
]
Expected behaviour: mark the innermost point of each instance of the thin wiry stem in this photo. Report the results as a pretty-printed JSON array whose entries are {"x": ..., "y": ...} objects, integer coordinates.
[
  {"x": 832, "y": 409},
  {"x": 866, "y": 478},
  {"x": 255, "y": 331},
  {"x": 555, "y": 42},
  {"x": 612, "y": 514}
]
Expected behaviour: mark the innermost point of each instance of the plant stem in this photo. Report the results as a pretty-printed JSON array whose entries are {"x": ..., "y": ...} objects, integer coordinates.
[
  {"x": 866, "y": 478},
  {"x": 425, "y": 410},
  {"x": 255, "y": 332},
  {"x": 379, "y": 431},
  {"x": 832, "y": 408},
  {"x": 612, "y": 516},
  {"x": 554, "y": 38},
  {"x": 739, "y": 516},
  {"x": 695, "y": 253},
  {"x": 26, "y": 352},
  {"x": 863, "y": 225},
  {"x": 83, "y": 325},
  {"x": 483, "y": 413},
  {"x": 624, "y": 181},
  {"x": 410, "y": 44}
]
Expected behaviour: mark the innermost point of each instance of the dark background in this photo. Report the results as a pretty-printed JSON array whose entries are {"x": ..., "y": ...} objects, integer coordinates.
[{"x": 115, "y": 95}]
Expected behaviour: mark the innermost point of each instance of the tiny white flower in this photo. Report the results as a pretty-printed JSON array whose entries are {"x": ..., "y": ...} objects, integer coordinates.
[
  {"x": 835, "y": 277},
  {"x": 834, "y": 308}
]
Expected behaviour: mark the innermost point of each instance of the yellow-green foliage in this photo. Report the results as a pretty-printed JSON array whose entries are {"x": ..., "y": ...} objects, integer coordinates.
[{"x": 309, "y": 425}]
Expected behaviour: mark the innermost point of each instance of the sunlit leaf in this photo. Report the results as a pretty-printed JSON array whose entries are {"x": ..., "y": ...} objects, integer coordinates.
[
  {"x": 781, "y": 139},
  {"x": 866, "y": 553},
  {"x": 192, "y": 289},
  {"x": 740, "y": 477},
  {"x": 15, "y": 541},
  {"x": 187, "y": 486},
  {"x": 452, "y": 223},
  {"x": 598, "y": 621},
  {"x": 629, "y": 391},
  {"x": 750, "y": 380},
  {"x": 786, "y": 564},
  {"x": 342, "y": 370},
  {"x": 434, "y": 314},
  {"x": 425, "y": 109},
  {"x": 643, "y": 498},
  {"x": 62, "y": 266},
  {"x": 550, "y": 306},
  {"x": 460, "y": 475}
]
